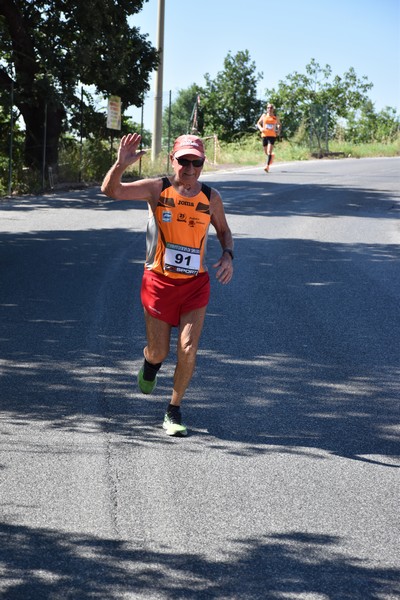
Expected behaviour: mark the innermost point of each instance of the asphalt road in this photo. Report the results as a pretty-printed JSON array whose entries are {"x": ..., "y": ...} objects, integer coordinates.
[{"x": 287, "y": 487}]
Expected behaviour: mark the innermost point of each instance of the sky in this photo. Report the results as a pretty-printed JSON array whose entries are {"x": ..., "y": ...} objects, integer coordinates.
[{"x": 281, "y": 38}]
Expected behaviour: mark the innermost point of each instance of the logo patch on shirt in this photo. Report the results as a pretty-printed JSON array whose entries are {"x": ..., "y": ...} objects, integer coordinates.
[
  {"x": 167, "y": 216},
  {"x": 202, "y": 207}
]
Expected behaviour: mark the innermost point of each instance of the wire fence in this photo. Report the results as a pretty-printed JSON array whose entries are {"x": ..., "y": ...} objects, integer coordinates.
[{"x": 319, "y": 129}]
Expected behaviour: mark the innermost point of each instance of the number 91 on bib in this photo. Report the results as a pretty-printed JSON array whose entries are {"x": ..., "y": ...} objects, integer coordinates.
[{"x": 182, "y": 259}]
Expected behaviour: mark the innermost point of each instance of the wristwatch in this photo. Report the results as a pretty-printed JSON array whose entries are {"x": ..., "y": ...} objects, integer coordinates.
[{"x": 229, "y": 251}]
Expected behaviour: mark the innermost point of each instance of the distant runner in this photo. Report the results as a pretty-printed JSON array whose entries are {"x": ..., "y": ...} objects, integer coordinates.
[{"x": 270, "y": 128}]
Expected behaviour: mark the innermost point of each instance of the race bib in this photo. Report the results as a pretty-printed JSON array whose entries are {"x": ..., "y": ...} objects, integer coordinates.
[{"x": 182, "y": 259}]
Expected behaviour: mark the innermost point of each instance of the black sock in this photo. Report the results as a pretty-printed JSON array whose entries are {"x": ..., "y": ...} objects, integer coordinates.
[
  {"x": 173, "y": 409},
  {"x": 150, "y": 371},
  {"x": 269, "y": 159}
]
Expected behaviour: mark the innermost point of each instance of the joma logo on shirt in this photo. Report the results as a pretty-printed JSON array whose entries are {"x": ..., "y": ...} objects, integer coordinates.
[{"x": 185, "y": 203}]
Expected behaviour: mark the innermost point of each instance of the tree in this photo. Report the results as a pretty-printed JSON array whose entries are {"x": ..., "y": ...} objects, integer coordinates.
[
  {"x": 387, "y": 125},
  {"x": 301, "y": 96},
  {"x": 48, "y": 48},
  {"x": 230, "y": 105},
  {"x": 178, "y": 119},
  {"x": 365, "y": 125}
]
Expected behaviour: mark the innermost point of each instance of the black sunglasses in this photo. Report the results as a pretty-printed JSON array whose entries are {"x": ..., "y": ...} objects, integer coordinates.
[{"x": 185, "y": 162}]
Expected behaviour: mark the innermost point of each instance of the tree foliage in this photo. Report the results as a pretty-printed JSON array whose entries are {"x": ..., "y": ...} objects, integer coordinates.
[
  {"x": 48, "y": 48},
  {"x": 301, "y": 95},
  {"x": 365, "y": 125},
  {"x": 229, "y": 103},
  {"x": 178, "y": 119},
  {"x": 226, "y": 106}
]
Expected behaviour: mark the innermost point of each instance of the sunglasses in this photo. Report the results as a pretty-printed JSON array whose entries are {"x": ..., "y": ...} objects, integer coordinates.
[{"x": 185, "y": 162}]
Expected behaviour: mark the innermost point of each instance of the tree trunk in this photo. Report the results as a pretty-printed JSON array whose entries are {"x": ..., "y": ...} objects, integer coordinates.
[{"x": 43, "y": 129}]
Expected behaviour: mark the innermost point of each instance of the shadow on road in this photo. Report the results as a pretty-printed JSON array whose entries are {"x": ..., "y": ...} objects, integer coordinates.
[
  {"x": 41, "y": 564},
  {"x": 306, "y": 360},
  {"x": 317, "y": 368}
]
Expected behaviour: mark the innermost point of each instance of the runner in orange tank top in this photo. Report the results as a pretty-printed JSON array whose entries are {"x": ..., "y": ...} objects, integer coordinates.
[
  {"x": 175, "y": 286},
  {"x": 270, "y": 128}
]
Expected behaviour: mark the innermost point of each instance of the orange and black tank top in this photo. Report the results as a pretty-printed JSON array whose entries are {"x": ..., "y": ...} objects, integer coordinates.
[
  {"x": 177, "y": 232},
  {"x": 269, "y": 126}
]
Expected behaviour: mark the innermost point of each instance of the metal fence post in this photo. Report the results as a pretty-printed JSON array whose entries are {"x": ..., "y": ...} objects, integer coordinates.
[
  {"x": 44, "y": 147},
  {"x": 81, "y": 139},
  {"x": 11, "y": 140}
]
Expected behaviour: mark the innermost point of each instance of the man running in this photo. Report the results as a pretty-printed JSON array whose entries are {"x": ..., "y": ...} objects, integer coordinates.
[
  {"x": 270, "y": 127},
  {"x": 175, "y": 285}
]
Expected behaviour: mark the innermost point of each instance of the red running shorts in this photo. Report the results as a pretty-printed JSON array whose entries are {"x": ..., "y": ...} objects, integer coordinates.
[{"x": 167, "y": 299}]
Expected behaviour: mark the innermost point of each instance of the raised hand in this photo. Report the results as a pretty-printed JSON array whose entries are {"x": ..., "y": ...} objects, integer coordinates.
[{"x": 128, "y": 152}]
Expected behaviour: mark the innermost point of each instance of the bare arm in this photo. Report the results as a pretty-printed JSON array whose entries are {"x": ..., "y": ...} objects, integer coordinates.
[
  {"x": 260, "y": 122},
  {"x": 224, "y": 265},
  {"x": 128, "y": 154}
]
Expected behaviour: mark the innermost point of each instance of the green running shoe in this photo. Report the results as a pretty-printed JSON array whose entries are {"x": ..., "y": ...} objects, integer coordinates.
[
  {"x": 145, "y": 386},
  {"x": 173, "y": 425}
]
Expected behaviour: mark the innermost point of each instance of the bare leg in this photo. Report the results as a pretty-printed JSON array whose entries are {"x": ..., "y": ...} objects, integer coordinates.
[
  {"x": 158, "y": 339},
  {"x": 269, "y": 153},
  {"x": 266, "y": 150},
  {"x": 191, "y": 326}
]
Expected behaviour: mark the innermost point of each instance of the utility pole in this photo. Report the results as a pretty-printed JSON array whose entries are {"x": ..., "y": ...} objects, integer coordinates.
[{"x": 157, "y": 128}]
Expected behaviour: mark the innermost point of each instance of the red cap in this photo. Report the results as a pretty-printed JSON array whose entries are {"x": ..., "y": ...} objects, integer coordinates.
[{"x": 188, "y": 144}]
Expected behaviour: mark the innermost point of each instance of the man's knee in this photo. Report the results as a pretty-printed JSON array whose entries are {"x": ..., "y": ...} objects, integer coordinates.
[{"x": 155, "y": 355}]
